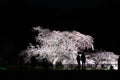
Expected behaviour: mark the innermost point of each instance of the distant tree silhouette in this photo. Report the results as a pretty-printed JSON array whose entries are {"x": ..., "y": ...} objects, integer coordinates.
[
  {"x": 21, "y": 61},
  {"x": 45, "y": 63},
  {"x": 33, "y": 62}
]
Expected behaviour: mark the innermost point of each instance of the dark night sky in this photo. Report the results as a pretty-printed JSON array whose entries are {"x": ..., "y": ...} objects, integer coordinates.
[{"x": 99, "y": 19}]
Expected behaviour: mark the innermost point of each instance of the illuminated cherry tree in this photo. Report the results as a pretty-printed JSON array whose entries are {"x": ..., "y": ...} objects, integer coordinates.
[{"x": 58, "y": 46}]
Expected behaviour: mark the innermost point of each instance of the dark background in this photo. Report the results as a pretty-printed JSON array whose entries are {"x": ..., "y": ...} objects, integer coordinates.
[{"x": 98, "y": 18}]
